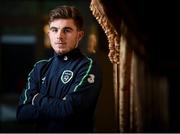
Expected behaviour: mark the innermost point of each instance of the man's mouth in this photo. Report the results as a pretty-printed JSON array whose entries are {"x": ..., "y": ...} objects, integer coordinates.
[{"x": 60, "y": 43}]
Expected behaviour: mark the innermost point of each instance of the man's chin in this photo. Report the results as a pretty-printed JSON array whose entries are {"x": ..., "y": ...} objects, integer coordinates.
[{"x": 60, "y": 52}]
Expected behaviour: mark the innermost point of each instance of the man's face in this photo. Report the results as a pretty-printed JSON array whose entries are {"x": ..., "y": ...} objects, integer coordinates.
[{"x": 64, "y": 35}]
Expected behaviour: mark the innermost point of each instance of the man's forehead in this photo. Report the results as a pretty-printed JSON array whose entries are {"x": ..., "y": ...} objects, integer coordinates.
[{"x": 60, "y": 23}]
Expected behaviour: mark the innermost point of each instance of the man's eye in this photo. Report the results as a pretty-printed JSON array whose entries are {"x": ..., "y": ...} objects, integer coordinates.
[
  {"x": 66, "y": 30},
  {"x": 54, "y": 30}
]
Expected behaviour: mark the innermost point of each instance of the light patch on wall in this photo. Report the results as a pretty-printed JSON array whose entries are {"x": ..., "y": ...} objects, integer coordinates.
[
  {"x": 46, "y": 38},
  {"x": 92, "y": 43},
  {"x": 18, "y": 39}
]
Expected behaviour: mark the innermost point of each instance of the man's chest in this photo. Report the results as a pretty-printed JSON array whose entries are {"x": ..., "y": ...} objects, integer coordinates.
[{"x": 57, "y": 81}]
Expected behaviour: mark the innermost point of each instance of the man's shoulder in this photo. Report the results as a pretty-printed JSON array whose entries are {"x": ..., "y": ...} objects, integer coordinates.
[
  {"x": 42, "y": 62},
  {"x": 89, "y": 62}
]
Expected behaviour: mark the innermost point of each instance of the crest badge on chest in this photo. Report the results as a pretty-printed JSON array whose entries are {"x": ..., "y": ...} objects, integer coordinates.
[{"x": 66, "y": 76}]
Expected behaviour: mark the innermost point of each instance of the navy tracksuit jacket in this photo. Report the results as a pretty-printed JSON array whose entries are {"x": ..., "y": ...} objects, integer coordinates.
[{"x": 68, "y": 87}]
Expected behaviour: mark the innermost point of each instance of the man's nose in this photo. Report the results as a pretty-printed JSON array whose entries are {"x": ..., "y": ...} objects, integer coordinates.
[{"x": 60, "y": 35}]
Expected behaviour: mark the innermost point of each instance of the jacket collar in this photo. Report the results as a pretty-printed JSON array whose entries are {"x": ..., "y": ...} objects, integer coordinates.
[{"x": 72, "y": 54}]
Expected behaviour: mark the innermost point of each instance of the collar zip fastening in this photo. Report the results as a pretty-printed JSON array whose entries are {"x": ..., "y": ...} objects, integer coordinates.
[{"x": 65, "y": 58}]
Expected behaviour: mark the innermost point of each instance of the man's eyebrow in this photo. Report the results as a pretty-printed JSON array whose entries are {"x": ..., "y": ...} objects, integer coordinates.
[
  {"x": 69, "y": 28},
  {"x": 53, "y": 28}
]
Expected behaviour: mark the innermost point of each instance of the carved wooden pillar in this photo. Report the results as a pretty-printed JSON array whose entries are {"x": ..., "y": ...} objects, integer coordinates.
[
  {"x": 114, "y": 48},
  {"x": 120, "y": 56}
]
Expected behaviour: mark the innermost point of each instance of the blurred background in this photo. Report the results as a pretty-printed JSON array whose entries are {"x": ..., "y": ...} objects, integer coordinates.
[{"x": 23, "y": 41}]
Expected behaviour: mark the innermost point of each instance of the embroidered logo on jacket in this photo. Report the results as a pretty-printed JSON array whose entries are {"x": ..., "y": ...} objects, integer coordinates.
[{"x": 66, "y": 76}]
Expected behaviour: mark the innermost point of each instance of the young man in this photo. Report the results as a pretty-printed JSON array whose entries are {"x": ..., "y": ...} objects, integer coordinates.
[{"x": 61, "y": 93}]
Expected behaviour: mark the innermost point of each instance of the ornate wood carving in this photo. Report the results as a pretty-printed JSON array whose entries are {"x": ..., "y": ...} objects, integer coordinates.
[
  {"x": 111, "y": 33},
  {"x": 120, "y": 54}
]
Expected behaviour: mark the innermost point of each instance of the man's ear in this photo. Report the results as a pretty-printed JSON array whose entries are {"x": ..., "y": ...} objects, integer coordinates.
[
  {"x": 81, "y": 35},
  {"x": 48, "y": 33}
]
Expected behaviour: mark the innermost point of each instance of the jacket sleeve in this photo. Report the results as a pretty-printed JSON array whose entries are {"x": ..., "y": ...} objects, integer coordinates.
[
  {"x": 25, "y": 111},
  {"x": 82, "y": 97}
]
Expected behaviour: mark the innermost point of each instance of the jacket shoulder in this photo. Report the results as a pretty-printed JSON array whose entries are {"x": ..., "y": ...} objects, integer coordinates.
[{"x": 41, "y": 63}]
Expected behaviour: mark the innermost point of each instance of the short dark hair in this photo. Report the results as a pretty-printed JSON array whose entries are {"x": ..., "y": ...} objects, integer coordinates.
[{"x": 67, "y": 12}]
